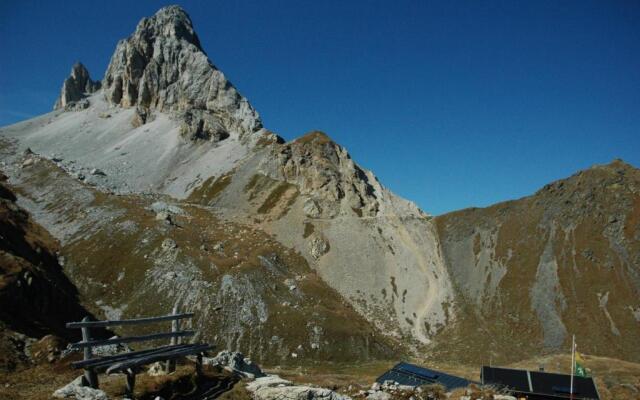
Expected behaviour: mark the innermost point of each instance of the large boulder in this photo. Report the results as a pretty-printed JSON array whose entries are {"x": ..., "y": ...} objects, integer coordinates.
[
  {"x": 267, "y": 382},
  {"x": 75, "y": 390},
  {"x": 236, "y": 362},
  {"x": 275, "y": 388}
]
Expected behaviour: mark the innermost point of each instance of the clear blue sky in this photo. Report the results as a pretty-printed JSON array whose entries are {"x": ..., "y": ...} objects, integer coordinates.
[{"x": 452, "y": 104}]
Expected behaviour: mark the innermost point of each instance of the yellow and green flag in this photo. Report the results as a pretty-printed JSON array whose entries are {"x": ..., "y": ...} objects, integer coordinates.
[{"x": 580, "y": 368}]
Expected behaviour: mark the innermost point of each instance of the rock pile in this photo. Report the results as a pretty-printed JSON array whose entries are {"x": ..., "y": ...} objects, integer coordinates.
[
  {"x": 272, "y": 387},
  {"x": 235, "y": 362},
  {"x": 75, "y": 390},
  {"x": 390, "y": 390}
]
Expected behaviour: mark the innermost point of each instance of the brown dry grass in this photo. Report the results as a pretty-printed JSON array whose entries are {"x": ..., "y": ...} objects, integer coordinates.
[
  {"x": 40, "y": 381},
  {"x": 210, "y": 189},
  {"x": 334, "y": 375},
  {"x": 615, "y": 379},
  {"x": 308, "y": 230},
  {"x": 238, "y": 392},
  {"x": 37, "y": 382},
  {"x": 283, "y": 191},
  {"x": 316, "y": 137}
]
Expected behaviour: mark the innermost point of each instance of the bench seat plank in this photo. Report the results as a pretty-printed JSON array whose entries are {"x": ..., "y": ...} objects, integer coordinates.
[
  {"x": 99, "y": 361},
  {"x": 151, "y": 358}
]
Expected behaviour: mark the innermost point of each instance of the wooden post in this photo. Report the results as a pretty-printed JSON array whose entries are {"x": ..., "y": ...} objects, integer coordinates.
[
  {"x": 131, "y": 382},
  {"x": 175, "y": 327},
  {"x": 199, "y": 365},
  {"x": 90, "y": 375}
]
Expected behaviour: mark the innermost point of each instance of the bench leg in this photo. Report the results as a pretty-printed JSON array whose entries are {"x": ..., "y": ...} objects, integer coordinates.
[
  {"x": 199, "y": 365},
  {"x": 90, "y": 378},
  {"x": 131, "y": 382},
  {"x": 170, "y": 366}
]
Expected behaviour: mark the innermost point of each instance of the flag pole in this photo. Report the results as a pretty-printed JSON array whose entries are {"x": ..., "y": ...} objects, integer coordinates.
[{"x": 573, "y": 364}]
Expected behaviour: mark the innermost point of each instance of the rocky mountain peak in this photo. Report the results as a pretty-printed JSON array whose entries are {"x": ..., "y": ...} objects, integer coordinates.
[
  {"x": 613, "y": 176},
  {"x": 171, "y": 22},
  {"x": 75, "y": 88},
  {"x": 617, "y": 166},
  {"x": 324, "y": 171},
  {"x": 162, "y": 67}
]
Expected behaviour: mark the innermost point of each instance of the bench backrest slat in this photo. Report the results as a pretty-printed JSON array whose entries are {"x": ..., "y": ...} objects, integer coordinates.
[
  {"x": 137, "y": 321},
  {"x": 150, "y": 358},
  {"x": 123, "y": 356},
  {"x": 131, "y": 339}
]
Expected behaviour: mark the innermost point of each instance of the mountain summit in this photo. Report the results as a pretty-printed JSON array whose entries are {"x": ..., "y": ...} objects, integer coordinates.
[{"x": 162, "y": 66}]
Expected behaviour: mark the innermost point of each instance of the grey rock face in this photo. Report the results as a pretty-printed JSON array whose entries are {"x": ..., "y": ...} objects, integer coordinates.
[
  {"x": 272, "y": 387},
  {"x": 75, "y": 88},
  {"x": 162, "y": 66},
  {"x": 318, "y": 246},
  {"x": 325, "y": 172},
  {"x": 237, "y": 363},
  {"x": 75, "y": 390}
]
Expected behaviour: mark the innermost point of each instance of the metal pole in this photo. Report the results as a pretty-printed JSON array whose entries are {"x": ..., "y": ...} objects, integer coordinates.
[
  {"x": 175, "y": 326},
  {"x": 90, "y": 375},
  {"x": 573, "y": 364}
]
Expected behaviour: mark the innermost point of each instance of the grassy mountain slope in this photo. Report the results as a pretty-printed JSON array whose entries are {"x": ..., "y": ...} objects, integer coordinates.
[
  {"x": 530, "y": 273},
  {"x": 36, "y": 298},
  {"x": 134, "y": 255}
]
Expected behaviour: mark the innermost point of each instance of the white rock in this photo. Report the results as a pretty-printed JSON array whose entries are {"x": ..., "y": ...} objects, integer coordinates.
[
  {"x": 272, "y": 387},
  {"x": 297, "y": 393},
  {"x": 235, "y": 362},
  {"x": 156, "y": 369},
  {"x": 160, "y": 206},
  {"x": 169, "y": 244},
  {"x": 267, "y": 382},
  {"x": 318, "y": 247},
  {"x": 379, "y": 395},
  {"x": 75, "y": 390},
  {"x": 163, "y": 216},
  {"x": 311, "y": 209}
]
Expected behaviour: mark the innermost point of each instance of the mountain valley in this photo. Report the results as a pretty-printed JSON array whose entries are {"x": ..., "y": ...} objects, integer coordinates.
[{"x": 160, "y": 186}]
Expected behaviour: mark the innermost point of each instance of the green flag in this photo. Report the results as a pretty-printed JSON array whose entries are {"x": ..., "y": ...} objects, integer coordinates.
[{"x": 581, "y": 370}]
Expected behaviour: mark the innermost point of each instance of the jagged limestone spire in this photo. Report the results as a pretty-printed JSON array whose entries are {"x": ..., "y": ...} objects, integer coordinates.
[
  {"x": 76, "y": 87},
  {"x": 162, "y": 66}
]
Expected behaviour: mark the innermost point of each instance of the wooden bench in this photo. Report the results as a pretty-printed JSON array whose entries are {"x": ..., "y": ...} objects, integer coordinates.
[{"x": 129, "y": 363}]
